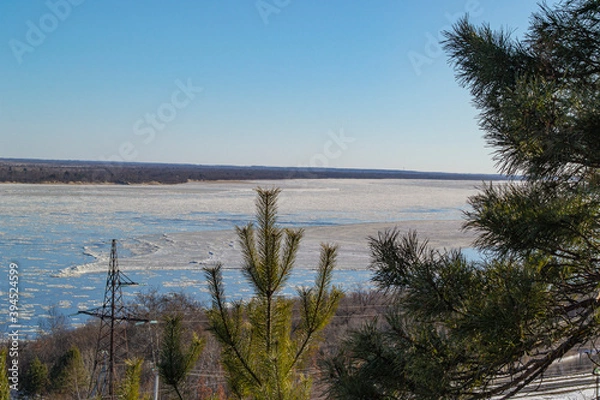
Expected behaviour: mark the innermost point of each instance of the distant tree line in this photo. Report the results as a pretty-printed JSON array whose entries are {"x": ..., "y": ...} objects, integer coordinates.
[{"x": 41, "y": 171}]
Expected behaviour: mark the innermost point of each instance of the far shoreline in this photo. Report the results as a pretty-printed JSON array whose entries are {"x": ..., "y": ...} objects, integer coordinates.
[{"x": 51, "y": 172}]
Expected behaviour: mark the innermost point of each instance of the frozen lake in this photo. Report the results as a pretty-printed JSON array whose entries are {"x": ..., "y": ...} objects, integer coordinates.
[{"x": 59, "y": 235}]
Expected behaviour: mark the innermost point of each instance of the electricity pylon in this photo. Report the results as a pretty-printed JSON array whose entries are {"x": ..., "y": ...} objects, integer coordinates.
[{"x": 111, "y": 348}]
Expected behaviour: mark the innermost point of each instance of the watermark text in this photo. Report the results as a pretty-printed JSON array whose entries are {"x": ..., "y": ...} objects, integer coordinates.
[
  {"x": 37, "y": 32},
  {"x": 266, "y": 8},
  {"x": 13, "y": 319},
  {"x": 432, "y": 49}
]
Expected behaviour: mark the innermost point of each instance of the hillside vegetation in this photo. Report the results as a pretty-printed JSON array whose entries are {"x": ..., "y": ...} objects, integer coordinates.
[{"x": 42, "y": 171}]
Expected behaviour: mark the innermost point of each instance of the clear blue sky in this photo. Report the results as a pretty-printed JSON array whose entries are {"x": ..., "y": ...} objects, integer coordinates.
[{"x": 342, "y": 83}]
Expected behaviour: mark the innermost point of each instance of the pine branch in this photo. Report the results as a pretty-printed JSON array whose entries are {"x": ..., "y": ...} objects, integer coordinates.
[
  {"x": 215, "y": 279},
  {"x": 318, "y": 309}
]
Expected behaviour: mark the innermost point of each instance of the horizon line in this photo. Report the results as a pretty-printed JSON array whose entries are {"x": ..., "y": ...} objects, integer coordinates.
[{"x": 300, "y": 168}]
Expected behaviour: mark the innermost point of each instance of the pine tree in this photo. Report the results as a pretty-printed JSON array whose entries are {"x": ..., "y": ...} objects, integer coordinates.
[
  {"x": 264, "y": 351},
  {"x": 466, "y": 330},
  {"x": 176, "y": 362},
  {"x": 68, "y": 374},
  {"x": 129, "y": 388},
  {"x": 35, "y": 380},
  {"x": 4, "y": 383}
]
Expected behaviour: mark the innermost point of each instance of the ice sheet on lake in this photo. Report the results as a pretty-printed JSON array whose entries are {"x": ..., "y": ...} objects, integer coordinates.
[
  {"x": 166, "y": 232},
  {"x": 194, "y": 250}
]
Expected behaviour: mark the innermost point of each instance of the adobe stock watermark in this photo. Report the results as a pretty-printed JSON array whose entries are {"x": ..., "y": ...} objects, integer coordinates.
[
  {"x": 432, "y": 49},
  {"x": 38, "y": 31},
  {"x": 13, "y": 326},
  {"x": 266, "y": 8},
  {"x": 332, "y": 150},
  {"x": 146, "y": 128}
]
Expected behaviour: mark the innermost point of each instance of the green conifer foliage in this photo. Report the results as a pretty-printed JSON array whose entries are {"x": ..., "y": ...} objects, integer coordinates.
[
  {"x": 264, "y": 351},
  {"x": 176, "y": 362},
  {"x": 68, "y": 374},
  {"x": 4, "y": 384},
  {"x": 129, "y": 388},
  {"x": 470, "y": 330},
  {"x": 35, "y": 381}
]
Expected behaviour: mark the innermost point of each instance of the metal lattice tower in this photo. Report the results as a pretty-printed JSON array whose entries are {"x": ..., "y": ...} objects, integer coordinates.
[{"x": 111, "y": 348}]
